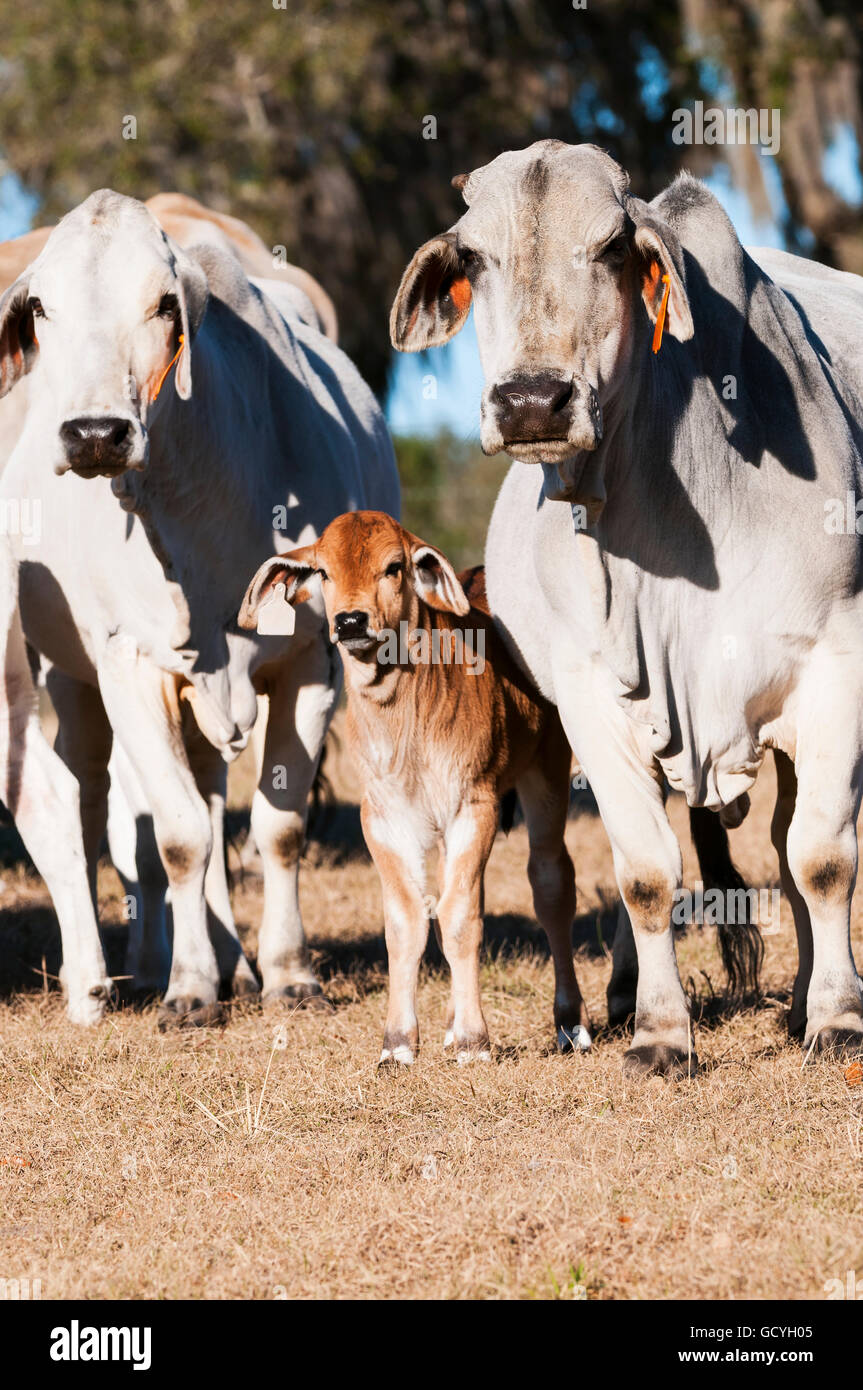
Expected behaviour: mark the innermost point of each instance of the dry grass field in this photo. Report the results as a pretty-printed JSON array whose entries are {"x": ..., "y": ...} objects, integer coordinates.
[{"x": 221, "y": 1164}]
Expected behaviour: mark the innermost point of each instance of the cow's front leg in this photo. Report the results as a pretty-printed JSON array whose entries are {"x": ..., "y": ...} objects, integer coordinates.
[
  {"x": 211, "y": 775},
  {"x": 133, "y": 692},
  {"x": 468, "y": 841},
  {"x": 400, "y": 861},
  {"x": 822, "y": 849},
  {"x": 84, "y": 741},
  {"x": 647, "y": 863},
  {"x": 302, "y": 697}
]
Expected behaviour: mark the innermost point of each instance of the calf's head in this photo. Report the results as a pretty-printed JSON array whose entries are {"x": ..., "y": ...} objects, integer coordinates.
[
  {"x": 106, "y": 309},
  {"x": 373, "y": 575},
  {"x": 565, "y": 272}
]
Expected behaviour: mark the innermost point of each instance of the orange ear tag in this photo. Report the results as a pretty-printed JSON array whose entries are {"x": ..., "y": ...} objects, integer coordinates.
[
  {"x": 160, "y": 383},
  {"x": 660, "y": 317}
]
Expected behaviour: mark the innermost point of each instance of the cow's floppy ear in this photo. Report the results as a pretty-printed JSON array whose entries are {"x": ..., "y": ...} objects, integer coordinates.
[
  {"x": 293, "y": 569},
  {"x": 192, "y": 295},
  {"x": 656, "y": 259},
  {"x": 433, "y": 298},
  {"x": 18, "y": 343},
  {"x": 435, "y": 580}
]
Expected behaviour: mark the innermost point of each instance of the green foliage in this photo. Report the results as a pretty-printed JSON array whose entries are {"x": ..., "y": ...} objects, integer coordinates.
[
  {"x": 308, "y": 121},
  {"x": 448, "y": 491}
]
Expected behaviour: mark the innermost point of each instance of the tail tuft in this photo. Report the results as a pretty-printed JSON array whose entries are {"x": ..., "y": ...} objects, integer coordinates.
[{"x": 740, "y": 944}]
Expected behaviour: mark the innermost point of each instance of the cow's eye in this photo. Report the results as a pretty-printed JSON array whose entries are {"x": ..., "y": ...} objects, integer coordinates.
[
  {"x": 614, "y": 253},
  {"x": 324, "y": 576},
  {"x": 36, "y": 309},
  {"x": 470, "y": 260},
  {"x": 394, "y": 570},
  {"x": 168, "y": 307}
]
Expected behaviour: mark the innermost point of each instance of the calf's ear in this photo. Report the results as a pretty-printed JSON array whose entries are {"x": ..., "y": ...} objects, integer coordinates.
[
  {"x": 18, "y": 342},
  {"x": 433, "y": 299},
  {"x": 435, "y": 580},
  {"x": 657, "y": 259},
  {"x": 293, "y": 569}
]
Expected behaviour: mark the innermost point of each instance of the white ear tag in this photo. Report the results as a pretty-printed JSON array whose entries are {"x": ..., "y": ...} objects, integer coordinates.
[{"x": 276, "y": 617}]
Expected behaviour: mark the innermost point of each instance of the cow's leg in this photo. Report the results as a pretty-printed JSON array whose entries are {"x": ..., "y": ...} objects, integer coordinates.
[
  {"x": 135, "y": 855},
  {"x": 544, "y": 795},
  {"x": 648, "y": 866},
  {"x": 43, "y": 796},
  {"x": 302, "y": 697},
  {"x": 623, "y": 985},
  {"x": 84, "y": 743},
  {"x": 822, "y": 848},
  {"x": 211, "y": 774},
  {"x": 786, "y": 798},
  {"x": 134, "y": 697},
  {"x": 400, "y": 862},
  {"x": 467, "y": 846}
]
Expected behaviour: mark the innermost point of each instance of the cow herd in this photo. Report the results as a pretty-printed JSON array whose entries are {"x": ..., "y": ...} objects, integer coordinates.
[{"x": 216, "y": 493}]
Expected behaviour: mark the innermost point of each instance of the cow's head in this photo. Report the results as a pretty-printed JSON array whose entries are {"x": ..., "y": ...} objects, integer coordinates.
[
  {"x": 373, "y": 574},
  {"x": 565, "y": 272},
  {"x": 107, "y": 308}
]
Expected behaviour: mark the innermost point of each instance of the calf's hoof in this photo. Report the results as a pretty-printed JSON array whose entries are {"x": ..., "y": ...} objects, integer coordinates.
[
  {"x": 573, "y": 1037},
  {"x": 659, "y": 1059},
  {"x": 399, "y": 1055},
  {"x": 188, "y": 1011}
]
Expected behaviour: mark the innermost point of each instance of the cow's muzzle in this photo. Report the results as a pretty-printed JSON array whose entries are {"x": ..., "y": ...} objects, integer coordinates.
[
  {"x": 352, "y": 631},
  {"x": 543, "y": 418},
  {"x": 101, "y": 445}
]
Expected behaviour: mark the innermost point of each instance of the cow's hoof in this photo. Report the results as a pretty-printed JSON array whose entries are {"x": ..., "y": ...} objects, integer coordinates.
[
  {"x": 573, "y": 1038},
  {"x": 839, "y": 1042},
  {"x": 659, "y": 1059},
  {"x": 401, "y": 1055},
  {"x": 187, "y": 1011},
  {"x": 306, "y": 994},
  {"x": 86, "y": 1010},
  {"x": 244, "y": 987}
]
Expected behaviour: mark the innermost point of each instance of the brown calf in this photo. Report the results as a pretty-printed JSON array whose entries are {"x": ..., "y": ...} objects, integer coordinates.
[{"x": 442, "y": 722}]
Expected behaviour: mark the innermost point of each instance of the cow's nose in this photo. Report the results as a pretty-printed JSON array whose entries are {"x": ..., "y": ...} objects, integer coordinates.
[
  {"x": 351, "y": 625},
  {"x": 533, "y": 407},
  {"x": 97, "y": 443}
]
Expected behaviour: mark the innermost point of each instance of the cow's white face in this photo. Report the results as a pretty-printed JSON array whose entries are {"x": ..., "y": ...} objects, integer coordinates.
[
  {"x": 103, "y": 309},
  {"x": 559, "y": 265}
]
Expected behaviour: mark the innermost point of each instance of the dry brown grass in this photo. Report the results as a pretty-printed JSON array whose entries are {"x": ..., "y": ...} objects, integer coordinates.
[{"x": 136, "y": 1164}]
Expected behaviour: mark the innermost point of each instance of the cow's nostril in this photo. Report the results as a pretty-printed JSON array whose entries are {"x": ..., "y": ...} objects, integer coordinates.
[
  {"x": 563, "y": 397},
  {"x": 121, "y": 433}
]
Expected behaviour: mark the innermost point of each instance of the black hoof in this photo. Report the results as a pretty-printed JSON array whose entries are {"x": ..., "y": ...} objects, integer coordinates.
[
  {"x": 658, "y": 1059},
  {"x": 839, "y": 1042},
  {"x": 187, "y": 1012}
]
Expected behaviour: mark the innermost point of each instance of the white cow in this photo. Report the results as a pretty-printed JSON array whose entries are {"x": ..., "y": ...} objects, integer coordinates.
[
  {"x": 680, "y": 576},
  {"x": 157, "y": 502}
]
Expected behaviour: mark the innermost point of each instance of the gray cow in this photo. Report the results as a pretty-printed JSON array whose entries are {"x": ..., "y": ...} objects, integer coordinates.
[
  {"x": 157, "y": 501},
  {"x": 679, "y": 577}
]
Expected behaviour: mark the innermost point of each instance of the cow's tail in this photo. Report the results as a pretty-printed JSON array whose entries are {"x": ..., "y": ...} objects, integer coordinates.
[
  {"x": 740, "y": 943},
  {"x": 508, "y": 805}
]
